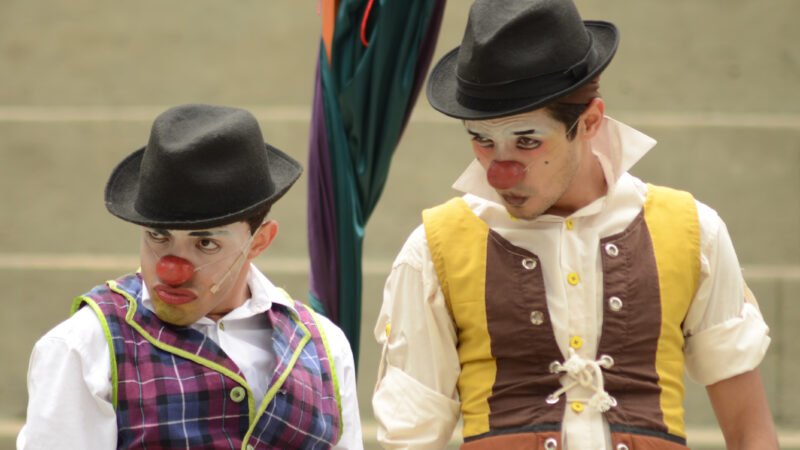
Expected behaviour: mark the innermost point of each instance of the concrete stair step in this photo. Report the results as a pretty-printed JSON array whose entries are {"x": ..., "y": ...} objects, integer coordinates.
[
  {"x": 744, "y": 173},
  {"x": 674, "y": 55}
]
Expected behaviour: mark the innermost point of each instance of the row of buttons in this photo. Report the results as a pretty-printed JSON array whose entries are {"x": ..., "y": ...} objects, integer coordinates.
[
  {"x": 576, "y": 342},
  {"x": 611, "y": 249},
  {"x": 614, "y": 303},
  {"x": 573, "y": 278},
  {"x": 537, "y": 317}
]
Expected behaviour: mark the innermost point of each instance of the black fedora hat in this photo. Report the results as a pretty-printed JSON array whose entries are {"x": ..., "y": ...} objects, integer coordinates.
[
  {"x": 519, "y": 55},
  {"x": 204, "y": 166}
]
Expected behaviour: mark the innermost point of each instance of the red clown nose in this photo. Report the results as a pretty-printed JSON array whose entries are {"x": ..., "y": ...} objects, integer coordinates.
[
  {"x": 505, "y": 174},
  {"x": 173, "y": 270}
]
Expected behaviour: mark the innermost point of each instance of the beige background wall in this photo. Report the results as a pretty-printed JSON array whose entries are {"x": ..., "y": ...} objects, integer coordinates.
[{"x": 714, "y": 81}]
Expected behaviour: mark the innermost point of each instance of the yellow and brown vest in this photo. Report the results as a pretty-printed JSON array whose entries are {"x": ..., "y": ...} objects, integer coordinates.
[{"x": 492, "y": 287}]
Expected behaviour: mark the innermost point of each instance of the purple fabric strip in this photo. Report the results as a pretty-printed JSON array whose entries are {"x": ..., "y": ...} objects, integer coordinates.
[{"x": 322, "y": 246}]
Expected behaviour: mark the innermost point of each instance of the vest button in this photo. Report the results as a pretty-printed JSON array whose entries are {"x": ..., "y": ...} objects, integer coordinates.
[
  {"x": 615, "y": 303},
  {"x": 576, "y": 342},
  {"x": 577, "y": 407},
  {"x": 529, "y": 263},
  {"x": 569, "y": 224},
  {"x": 606, "y": 361},
  {"x": 238, "y": 394},
  {"x": 550, "y": 444},
  {"x": 537, "y": 317},
  {"x": 612, "y": 250},
  {"x": 573, "y": 278}
]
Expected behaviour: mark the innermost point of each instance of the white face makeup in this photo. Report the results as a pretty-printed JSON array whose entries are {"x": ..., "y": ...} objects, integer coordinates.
[
  {"x": 200, "y": 247},
  {"x": 217, "y": 256},
  {"x": 506, "y": 135},
  {"x": 539, "y": 143}
]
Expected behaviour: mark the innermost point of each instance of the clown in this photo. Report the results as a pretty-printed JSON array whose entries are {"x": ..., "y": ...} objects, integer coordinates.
[
  {"x": 198, "y": 349},
  {"x": 559, "y": 301}
]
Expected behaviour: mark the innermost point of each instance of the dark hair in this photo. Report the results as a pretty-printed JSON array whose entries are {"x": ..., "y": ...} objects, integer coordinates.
[
  {"x": 568, "y": 114},
  {"x": 256, "y": 219}
]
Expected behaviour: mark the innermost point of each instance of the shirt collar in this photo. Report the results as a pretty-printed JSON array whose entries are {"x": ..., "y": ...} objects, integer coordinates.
[
  {"x": 262, "y": 295},
  {"x": 617, "y": 146}
]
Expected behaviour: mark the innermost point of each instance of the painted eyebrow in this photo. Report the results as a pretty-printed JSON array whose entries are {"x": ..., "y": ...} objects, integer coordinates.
[
  {"x": 516, "y": 133},
  {"x": 202, "y": 233},
  {"x": 206, "y": 233}
]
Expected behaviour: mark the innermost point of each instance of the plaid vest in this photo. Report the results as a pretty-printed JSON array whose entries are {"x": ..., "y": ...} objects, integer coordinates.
[{"x": 175, "y": 388}]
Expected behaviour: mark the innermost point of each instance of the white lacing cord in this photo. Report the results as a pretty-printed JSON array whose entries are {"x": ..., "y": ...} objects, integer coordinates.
[{"x": 587, "y": 373}]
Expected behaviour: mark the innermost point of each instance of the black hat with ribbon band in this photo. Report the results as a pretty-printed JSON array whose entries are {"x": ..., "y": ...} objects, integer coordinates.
[
  {"x": 204, "y": 166},
  {"x": 517, "y": 56}
]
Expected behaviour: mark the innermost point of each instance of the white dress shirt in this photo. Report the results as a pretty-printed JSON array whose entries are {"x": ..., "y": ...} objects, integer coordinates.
[
  {"x": 69, "y": 376},
  {"x": 416, "y": 401}
]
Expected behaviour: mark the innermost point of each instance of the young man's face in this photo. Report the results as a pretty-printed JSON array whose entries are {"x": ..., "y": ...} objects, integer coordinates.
[
  {"x": 539, "y": 144},
  {"x": 195, "y": 273}
]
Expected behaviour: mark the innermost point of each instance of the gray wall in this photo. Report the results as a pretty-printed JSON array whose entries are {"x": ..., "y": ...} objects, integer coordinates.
[{"x": 714, "y": 81}]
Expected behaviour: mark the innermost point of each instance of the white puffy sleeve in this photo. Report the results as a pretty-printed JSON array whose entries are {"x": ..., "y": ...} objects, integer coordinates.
[{"x": 415, "y": 400}]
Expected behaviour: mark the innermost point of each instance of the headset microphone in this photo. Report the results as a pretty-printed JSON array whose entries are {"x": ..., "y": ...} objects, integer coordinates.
[{"x": 215, "y": 287}]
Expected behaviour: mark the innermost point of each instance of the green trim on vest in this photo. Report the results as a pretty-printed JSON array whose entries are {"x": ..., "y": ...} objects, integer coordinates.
[
  {"x": 76, "y": 305},
  {"x": 332, "y": 365},
  {"x": 275, "y": 387},
  {"x": 177, "y": 351},
  {"x": 254, "y": 414}
]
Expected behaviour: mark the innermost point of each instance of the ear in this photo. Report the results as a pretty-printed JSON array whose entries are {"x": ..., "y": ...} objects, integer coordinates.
[
  {"x": 592, "y": 118},
  {"x": 263, "y": 238}
]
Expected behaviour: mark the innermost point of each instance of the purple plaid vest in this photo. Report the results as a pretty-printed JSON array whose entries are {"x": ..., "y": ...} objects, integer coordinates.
[{"x": 175, "y": 388}]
